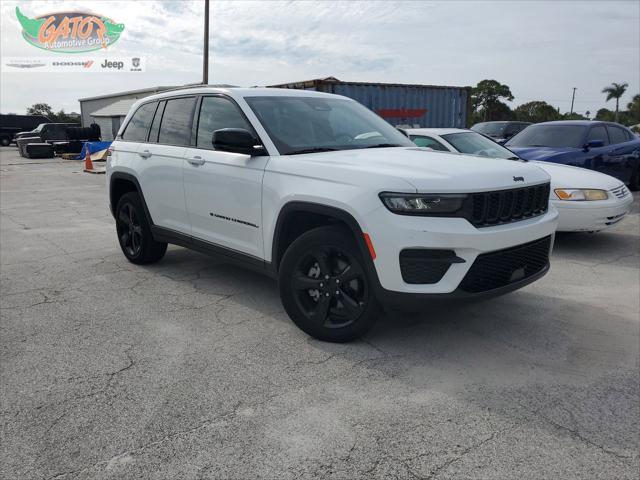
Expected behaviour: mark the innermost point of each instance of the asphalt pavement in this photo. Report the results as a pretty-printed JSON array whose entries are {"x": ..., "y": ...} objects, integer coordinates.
[{"x": 190, "y": 368}]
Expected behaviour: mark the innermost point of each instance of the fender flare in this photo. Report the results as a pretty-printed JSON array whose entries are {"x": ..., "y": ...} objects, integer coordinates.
[
  {"x": 330, "y": 211},
  {"x": 130, "y": 178}
]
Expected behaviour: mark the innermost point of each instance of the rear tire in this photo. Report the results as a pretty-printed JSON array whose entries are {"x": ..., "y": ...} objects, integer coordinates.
[
  {"x": 324, "y": 286},
  {"x": 134, "y": 231}
]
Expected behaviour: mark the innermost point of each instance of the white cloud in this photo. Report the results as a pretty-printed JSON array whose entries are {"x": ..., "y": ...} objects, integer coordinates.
[{"x": 540, "y": 49}]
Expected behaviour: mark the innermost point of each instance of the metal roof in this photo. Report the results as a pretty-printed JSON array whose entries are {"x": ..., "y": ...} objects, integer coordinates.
[
  {"x": 334, "y": 80},
  {"x": 115, "y": 109},
  {"x": 130, "y": 92}
]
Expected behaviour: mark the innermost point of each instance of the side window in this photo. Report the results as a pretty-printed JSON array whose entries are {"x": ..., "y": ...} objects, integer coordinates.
[
  {"x": 617, "y": 134},
  {"x": 429, "y": 143},
  {"x": 155, "y": 126},
  {"x": 217, "y": 113},
  {"x": 512, "y": 129},
  {"x": 138, "y": 126},
  {"x": 175, "y": 128},
  {"x": 598, "y": 133}
]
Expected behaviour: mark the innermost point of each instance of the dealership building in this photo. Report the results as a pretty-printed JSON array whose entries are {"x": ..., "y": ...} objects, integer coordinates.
[{"x": 405, "y": 105}]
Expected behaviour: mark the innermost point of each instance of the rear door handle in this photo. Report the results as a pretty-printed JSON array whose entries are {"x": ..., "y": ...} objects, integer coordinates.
[
  {"x": 197, "y": 160},
  {"x": 145, "y": 154}
]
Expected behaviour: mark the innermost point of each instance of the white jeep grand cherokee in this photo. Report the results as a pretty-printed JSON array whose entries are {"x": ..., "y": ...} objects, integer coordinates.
[{"x": 322, "y": 194}]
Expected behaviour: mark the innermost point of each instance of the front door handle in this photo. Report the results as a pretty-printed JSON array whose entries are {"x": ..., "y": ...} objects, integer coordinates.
[
  {"x": 145, "y": 154},
  {"x": 197, "y": 160}
]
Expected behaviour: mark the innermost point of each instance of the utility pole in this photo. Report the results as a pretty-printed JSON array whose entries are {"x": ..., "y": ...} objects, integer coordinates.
[
  {"x": 573, "y": 97},
  {"x": 205, "y": 53}
]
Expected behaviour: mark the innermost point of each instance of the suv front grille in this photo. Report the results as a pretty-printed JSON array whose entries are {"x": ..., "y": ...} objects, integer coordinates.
[
  {"x": 506, "y": 206},
  {"x": 500, "y": 268}
]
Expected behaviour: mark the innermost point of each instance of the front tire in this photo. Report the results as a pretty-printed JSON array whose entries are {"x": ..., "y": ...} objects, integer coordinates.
[
  {"x": 324, "y": 286},
  {"x": 134, "y": 231}
]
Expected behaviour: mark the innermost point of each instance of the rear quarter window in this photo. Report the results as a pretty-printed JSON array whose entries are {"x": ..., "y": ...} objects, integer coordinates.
[{"x": 138, "y": 126}]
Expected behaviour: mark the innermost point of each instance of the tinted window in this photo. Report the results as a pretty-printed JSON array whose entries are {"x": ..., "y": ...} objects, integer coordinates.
[
  {"x": 175, "y": 128},
  {"x": 475, "y": 144},
  {"x": 429, "y": 143},
  {"x": 598, "y": 133},
  {"x": 617, "y": 134},
  {"x": 302, "y": 124},
  {"x": 548, "y": 136},
  {"x": 217, "y": 113},
  {"x": 490, "y": 128},
  {"x": 138, "y": 126},
  {"x": 155, "y": 126}
]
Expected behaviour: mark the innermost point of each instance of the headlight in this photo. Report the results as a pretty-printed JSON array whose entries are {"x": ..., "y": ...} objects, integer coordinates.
[
  {"x": 423, "y": 204},
  {"x": 581, "y": 194}
]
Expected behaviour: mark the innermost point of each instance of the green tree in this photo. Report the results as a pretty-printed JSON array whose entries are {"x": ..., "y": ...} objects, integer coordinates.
[
  {"x": 605, "y": 115},
  {"x": 41, "y": 109},
  {"x": 486, "y": 100},
  {"x": 62, "y": 117},
  {"x": 615, "y": 90},
  {"x": 536, "y": 111},
  {"x": 633, "y": 108}
]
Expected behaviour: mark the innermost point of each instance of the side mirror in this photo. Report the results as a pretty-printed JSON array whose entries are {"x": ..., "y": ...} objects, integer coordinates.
[
  {"x": 593, "y": 144},
  {"x": 237, "y": 140}
]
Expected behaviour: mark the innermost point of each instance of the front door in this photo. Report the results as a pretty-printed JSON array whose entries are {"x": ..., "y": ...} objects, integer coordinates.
[{"x": 223, "y": 190}]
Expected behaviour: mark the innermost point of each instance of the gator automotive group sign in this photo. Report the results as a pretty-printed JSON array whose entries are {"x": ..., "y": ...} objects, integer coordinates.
[{"x": 69, "y": 32}]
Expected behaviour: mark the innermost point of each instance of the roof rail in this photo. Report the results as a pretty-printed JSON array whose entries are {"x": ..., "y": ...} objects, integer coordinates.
[{"x": 199, "y": 85}]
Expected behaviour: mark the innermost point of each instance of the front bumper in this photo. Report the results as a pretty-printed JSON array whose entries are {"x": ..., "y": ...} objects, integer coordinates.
[
  {"x": 391, "y": 233},
  {"x": 591, "y": 216}
]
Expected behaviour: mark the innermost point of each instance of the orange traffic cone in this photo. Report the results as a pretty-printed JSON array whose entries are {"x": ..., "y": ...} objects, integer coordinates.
[{"x": 88, "y": 164}]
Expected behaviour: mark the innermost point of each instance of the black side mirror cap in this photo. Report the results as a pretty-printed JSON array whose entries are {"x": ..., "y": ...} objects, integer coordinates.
[{"x": 237, "y": 140}]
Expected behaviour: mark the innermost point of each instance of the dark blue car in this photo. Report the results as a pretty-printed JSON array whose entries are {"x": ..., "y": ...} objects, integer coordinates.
[{"x": 602, "y": 146}]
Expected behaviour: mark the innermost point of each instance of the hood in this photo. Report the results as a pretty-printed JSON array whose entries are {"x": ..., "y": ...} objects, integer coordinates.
[
  {"x": 423, "y": 169},
  {"x": 539, "y": 153},
  {"x": 565, "y": 176}
]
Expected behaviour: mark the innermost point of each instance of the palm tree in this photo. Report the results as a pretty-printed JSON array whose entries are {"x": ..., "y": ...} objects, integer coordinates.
[{"x": 615, "y": 90}]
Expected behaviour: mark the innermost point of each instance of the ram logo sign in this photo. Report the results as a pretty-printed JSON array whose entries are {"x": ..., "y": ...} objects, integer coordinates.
[{"x": 69, "y": 32}]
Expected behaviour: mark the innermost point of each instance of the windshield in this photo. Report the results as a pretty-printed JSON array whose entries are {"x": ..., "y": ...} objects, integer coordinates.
[
  {"x": 476, "y": 144},
  {"x": 549, "y": 136},
  {"x": 316, "y": 124},
  {"x": 490, "y": 128}
]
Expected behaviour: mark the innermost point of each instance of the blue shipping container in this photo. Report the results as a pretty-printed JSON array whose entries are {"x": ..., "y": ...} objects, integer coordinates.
[{"x": 402, "y": 105}]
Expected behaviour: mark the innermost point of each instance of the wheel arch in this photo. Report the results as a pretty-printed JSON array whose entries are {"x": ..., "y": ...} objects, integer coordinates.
[
  {"x": 121, "y": 183},
  {"x": 287, "y": 229}
]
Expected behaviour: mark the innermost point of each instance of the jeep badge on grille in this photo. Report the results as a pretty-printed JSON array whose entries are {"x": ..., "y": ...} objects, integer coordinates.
[{"x": 518, "y": 179}]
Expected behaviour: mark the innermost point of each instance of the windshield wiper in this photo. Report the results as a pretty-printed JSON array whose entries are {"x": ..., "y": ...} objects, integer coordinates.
[
  {"x": 312, "y": 150},
  {"x": 383, "y": 145}
]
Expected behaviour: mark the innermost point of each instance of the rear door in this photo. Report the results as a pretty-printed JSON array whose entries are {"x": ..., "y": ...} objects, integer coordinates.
[
  {"x": 223, "y": 190},
  {"x": 165, "y": 132}
]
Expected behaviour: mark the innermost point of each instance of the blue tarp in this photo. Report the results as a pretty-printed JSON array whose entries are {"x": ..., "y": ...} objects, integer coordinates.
[{"x": 93, "y": 148}]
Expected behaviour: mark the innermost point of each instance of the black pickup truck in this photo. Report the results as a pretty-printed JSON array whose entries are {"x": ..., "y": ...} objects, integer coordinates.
[
  {"x": 11, "y": 124},
  {"x": 63, "y": 138}
]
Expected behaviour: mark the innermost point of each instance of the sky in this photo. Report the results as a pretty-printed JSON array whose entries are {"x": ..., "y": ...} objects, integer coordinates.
[{"x": 540, "y": 49}]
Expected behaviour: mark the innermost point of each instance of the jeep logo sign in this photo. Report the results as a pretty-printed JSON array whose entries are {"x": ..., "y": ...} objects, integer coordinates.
[
  {"x": 116, "y": 65},
  {"x": 518, "y": 179}
]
